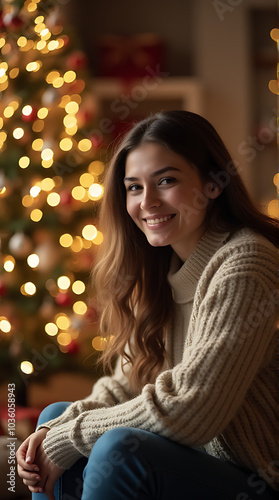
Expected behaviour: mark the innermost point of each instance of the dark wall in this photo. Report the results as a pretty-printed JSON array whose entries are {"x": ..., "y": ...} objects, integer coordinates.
[{"x": 172, "y": 20}]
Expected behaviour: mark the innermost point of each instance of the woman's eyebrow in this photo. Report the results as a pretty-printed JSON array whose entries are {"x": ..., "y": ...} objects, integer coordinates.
[{"x": 154, "y": 174}]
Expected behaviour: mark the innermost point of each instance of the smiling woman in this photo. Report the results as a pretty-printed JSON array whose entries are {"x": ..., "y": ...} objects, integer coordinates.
[
  {"x": 158, "y": 197},
  {"x": 188, "y": 289}
]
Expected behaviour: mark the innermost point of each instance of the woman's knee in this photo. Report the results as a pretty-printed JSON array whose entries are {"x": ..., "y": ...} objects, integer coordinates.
[
  {"x": 119, "y": 442},
  {"x": 52, "y": 411}
]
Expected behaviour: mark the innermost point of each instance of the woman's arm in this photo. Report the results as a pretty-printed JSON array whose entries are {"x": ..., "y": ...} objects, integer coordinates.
[{"x": 197, "y": 399}]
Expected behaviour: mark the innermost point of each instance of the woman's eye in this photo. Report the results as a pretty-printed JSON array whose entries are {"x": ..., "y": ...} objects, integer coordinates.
[
  {"x": 133, "y": 187},
  {"x": 167, "y": 180}
]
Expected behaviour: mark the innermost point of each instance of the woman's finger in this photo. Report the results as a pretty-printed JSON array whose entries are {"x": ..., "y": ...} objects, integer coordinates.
[
  {"x": 21, "y": 457},
  {"x": 36, "y": 489},
  {"x": 29, "y": 476},
  {"x": 28, "y": 482}
]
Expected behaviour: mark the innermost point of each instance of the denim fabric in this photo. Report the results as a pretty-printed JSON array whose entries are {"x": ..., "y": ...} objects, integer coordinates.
[{"x": 127, "y": 464}]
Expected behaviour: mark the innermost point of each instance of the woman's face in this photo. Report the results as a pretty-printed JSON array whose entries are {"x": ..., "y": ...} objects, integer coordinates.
[{"x": 166, "y": 197}]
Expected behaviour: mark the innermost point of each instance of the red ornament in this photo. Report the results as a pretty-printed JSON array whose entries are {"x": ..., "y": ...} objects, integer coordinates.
[
  {"x": 73, "y": 347},
  {"x": 3, "y": 288},
  {"x": 76, "y": 87},
  {"x": 14, "y": 23},
  {"x": 91, "y": 315},
  {"x": 1, "y": 19},
  {"x": 31, "y": 117},
  {"x": 66, "y": 198},
  {"x": 77, "y": 60},
  {"x": 84, "y": 117},
  {"x": 64, "y": 299},
  {"x": 97, "y": 141}
]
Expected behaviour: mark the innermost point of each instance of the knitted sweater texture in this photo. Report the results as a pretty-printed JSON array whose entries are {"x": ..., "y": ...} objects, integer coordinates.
[{"x": 219, "y": 390}]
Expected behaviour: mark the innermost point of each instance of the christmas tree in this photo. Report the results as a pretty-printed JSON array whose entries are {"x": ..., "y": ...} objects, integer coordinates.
[{"x": 51, "y": 165}]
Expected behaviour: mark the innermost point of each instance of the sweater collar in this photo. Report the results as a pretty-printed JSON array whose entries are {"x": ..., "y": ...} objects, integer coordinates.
[{"x": 183, "y": 279}]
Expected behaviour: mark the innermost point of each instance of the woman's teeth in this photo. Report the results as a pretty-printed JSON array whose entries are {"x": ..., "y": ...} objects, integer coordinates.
[{"x": 157, "y": 221}]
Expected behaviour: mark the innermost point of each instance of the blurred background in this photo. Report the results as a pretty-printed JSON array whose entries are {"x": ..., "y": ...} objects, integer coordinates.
[{"x": 74, "y": 76}]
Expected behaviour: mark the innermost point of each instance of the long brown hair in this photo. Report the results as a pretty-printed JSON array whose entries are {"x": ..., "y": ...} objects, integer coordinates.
[{"x": 130, "y": 275}]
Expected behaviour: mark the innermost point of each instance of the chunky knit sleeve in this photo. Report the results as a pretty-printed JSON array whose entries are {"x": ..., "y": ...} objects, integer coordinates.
[{"x": 232, "y": 326}]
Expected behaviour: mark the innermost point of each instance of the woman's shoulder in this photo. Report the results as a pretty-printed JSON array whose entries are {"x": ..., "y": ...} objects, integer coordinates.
[
  {"x": 246, "y": 249},
  {"x": 250, "y": 241}
]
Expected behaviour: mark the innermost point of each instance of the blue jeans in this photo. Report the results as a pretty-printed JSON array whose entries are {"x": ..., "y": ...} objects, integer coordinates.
[{"x": 127, "y": 463}]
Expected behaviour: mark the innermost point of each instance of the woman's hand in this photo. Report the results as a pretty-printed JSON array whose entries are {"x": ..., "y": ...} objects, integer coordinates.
[{"x": 34, "y": 467}]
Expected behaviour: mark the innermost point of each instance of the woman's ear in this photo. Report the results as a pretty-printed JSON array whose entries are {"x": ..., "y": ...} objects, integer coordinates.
[{"x": 212, "y": 190}]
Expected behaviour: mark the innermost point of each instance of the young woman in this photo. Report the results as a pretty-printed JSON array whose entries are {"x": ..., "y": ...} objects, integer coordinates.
[{"x": 188, "y": 284}]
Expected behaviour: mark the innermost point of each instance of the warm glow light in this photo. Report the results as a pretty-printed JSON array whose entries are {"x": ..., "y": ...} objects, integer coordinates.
[
  {"x": 2, "y": 42},
  {"x": 26, "y": 367},
  {"x": 51, "y": 329},
  {"x": 52, "y": 76},
  {"x": 78, "y": 192},
  {"x": 80, "y": 307},
  {"x": 3, "y": 136},
  {"x": 64, "y": 100},
  {"x": 14, "y": 73},
  {"x": 33, "y": 260},
  {"x": 38, "y": 126},
  {"x": 5, "y": 326},
  {"x": 64, "y": 282},
  {"x": 53, "y": 44},
  {"x": 36, "y": 215},
  {"x": 275, "y": 34},
  {"x": 71, "y": 130},
  {"x": 42, "y": 113},
  {"x": 86, "y": 180},
  {"x": 29, "y": 288},
  {"x": 72, "y": 107},
  {"x": 31, "y": 7},
  {"x": 273, "y": 209},
  {"x": 86, "y": 244},
  {"x": 37, "y": 144},
  {"x": 78, "y": 287},
  {"x": 58, "y": 83},
  {"x": 27, "y": 110},
  {"x": 95, "y": 191},
  {"x": 89, "y": 232},
  {"x": 39, "y": 19},
  {"x": 34, "y": 191},
  {"x": 47, "y": 154},
  {"x": 96, "y": 167},
  {"x": 70, "y": 121},
  {"x": 66, "y": 240},
  {"x": 276, "y": 180},
  {"x": 8, "y": 112},
  {"x": 99, "y": 343},
  {"x": 77, "y": 244},
  {"x": 24, "y": 162},
  {"x": 41, "y": 45},
  {"x": 45, "y": 33},
  {"x": 47, "y": 163},
  {"x": 53, "y": 199},
  {"x": 99, "y": 238},
  {"x": 18, "y": 133},
  {"x": 27, "y": 200},
  {"x": 84, "y": 145},
  {"x": 9, "y": 263},
  {"x": 66, "y": 144},
  {"x": 63, "y": 321},
  {"x": 22, "y": 41},
  {"x": 33, "y": 66},
  {"x": 69, "y": 76},
  {"x": 64, "y": 338},
  {"x": 47, "y": 184}
]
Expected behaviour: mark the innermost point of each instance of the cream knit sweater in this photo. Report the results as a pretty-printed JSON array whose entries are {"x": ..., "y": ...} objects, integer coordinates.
[{"x": 220, "y": 390}]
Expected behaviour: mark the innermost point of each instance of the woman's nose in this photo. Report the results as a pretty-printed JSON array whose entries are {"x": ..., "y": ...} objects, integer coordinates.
[{"x": 149, "y": 200}]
